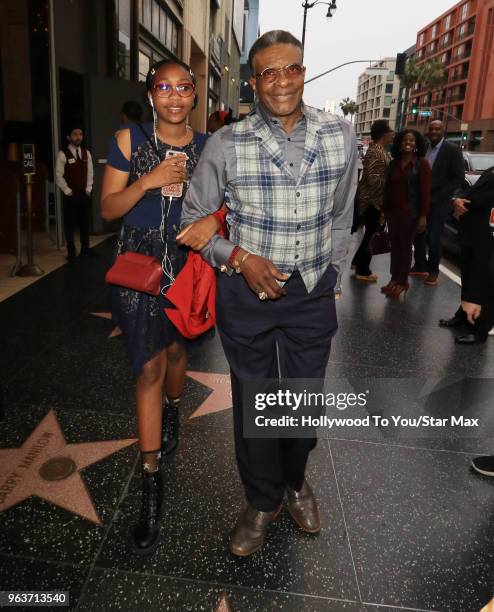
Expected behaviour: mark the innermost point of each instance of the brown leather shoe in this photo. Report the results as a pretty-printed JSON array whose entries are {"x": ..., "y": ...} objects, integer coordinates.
[
  {"x": 302, "y": 506},
  {"x": 250, "y": 531},
  {"x": 431, "y": 280}
]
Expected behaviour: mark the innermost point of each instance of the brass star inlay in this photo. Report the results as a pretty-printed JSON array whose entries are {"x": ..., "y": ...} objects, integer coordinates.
[
  {"x": 221, "y": 397},
  {"x": 489, "y": 607},
  {"x": 224, "y": 604},
  {"x": 46, "y": 466}
]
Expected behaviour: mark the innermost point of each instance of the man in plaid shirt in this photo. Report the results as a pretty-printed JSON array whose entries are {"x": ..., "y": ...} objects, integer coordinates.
[{"x": 291, "y": 174}]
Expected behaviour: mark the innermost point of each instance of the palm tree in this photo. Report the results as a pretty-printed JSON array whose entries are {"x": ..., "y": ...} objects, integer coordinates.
[
  {"x": 348, "y": 107},
  {"x": 434, "y": 75},
  {"x": 412, "y": 73}
]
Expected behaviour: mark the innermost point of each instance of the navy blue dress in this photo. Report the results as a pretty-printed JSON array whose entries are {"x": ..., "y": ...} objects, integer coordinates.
[{"x": 146, "y": 328}]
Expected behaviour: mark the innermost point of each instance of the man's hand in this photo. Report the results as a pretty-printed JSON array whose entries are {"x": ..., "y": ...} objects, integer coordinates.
[
  {"x": 198, "y": 234},
  {"x": 459, "y": 207},
  {"x": 421, "y": 225},
  {"x": 471, "y": 310},
  {"x": 261, "y": 275}
]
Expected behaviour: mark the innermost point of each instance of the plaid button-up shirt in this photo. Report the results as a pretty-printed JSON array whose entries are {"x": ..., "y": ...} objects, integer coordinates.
[{"x": 297, "y": 219}]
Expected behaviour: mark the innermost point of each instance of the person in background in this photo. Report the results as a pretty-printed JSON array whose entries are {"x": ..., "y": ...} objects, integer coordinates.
[
  {"x": 485, "y": 274},
  {"x": 407, "y": 195},
  {"x": 448, "y": 175},
  {"x": 370, "y": 195},
  {"x": 219, "y": 119},
  {"x": 473, "y": 208},
  {"x": 136, "y": 171},
  {"x": 131, "y": 112},
  {"x": 74, "y": 177}
]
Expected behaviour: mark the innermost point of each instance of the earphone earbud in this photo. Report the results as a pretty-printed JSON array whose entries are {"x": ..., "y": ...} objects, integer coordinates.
[{"x": 151, "y": 101}]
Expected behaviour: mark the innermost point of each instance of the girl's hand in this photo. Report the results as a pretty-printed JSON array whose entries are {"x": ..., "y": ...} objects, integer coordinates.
[
  {"x": 168, "y": 172},
  {"x": 198, "y": 234}
]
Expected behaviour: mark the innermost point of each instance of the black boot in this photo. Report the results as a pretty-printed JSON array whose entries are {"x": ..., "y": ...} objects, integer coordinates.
[
  {"x": 171, "y": 422},
  {"x": 146, "y": 532}
]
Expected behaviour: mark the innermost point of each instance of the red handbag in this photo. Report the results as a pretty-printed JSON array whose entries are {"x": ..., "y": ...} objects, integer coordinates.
[{"x": 136, "y": 271}]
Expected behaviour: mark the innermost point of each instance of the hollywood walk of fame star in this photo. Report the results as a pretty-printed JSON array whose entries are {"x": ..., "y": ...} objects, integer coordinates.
[
  {"x": 116, "y": 331},
  {"x": 224, "y": 604},
  {"x": 46, "y": 466},
  {"x": 489, "y": 607},
  {"x": 221, "y": 397}
]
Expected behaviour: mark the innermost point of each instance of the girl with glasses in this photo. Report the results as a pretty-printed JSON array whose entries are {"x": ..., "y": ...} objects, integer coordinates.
[{"x": 145, "y": 185}]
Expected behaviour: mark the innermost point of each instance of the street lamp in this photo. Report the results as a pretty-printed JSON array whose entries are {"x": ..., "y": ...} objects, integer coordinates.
[{"x": 308, "y": 5}]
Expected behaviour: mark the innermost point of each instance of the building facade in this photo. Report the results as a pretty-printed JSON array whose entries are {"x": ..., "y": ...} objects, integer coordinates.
[
  {"x": 403, "y": 94},
  {"x": 462, "y": 40},
  {"x": 376, "y": 98},
  {"x": 251, "y": 34},
  {"x": 82, "y": 59}
]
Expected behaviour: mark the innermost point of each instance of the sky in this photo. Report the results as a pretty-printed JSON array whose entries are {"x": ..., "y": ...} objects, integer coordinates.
[{"x": 359, "y": 29}]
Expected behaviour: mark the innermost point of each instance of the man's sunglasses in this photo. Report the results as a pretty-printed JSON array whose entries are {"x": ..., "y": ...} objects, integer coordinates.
[
  {"x": 164, "y": 90},
  {"x": 292, "y": 71}
]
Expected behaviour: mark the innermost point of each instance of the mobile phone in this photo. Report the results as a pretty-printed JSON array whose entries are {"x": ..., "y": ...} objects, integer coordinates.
[{"x": 176, "y": 189}]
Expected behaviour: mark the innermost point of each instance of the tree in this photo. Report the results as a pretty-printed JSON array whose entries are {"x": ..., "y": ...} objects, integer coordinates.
[
  {"x": 434, "y": 75},
  {"x": 348, "y": 107},
  {"x": 431, "y": 74},
  {"x": 412, "y": 73}
]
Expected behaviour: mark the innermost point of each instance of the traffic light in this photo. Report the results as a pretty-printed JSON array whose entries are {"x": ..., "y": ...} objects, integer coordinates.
[
  {"x": 415, "y": 110},
  {"x": 401, "y": 60},
  {"x": 464, "y": 136}
]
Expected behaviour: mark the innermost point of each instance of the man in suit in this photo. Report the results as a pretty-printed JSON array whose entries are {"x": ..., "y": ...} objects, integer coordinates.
[
  {"x": 448, "y": 174},
  {"x": 485, "y": 464},
  {"x": 473, "y": 208}
]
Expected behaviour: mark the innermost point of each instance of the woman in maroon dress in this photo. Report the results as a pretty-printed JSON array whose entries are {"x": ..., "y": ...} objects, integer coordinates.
[{"x": 407, "y": 196}]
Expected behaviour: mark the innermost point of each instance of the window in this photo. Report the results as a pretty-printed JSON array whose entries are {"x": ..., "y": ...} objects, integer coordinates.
[
  {"x": 389, "y": 88},
  {"x": 434, "y": 31},
  {"x": 123, "y": 44},
  {"x": 387, "y": 100},
  {"x": 444, "y": 58},
  {"x": 387, "y": 113},
  {"x": 432, "y": 47},
  {"x": 159, "y": 22},
  {"x": 421, "y": 53},
  {"x": 447, "y": 22},
  {"x": 446, "y": 39},
  {"x": 144, "y": 64},
  {"x": 146, "y": 8},
  {"x": 459, "y": 51},
  {"x": 421, "y": 39},
  {"x": 464, "y": 11},
  {"x": 390, "y": 76},
  {"x": 156, "y": 19},
  {"x": 463, "y": 29}
]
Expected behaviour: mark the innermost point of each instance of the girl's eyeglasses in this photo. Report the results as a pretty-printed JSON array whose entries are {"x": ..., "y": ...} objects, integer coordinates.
[{"x": 164, "y": 90}]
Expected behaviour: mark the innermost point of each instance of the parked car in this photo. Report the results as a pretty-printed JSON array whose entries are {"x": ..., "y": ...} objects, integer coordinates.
[{"x": 476, "y": 163}]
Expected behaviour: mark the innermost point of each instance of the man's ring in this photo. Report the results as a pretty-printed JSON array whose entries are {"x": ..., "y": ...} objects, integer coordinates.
[{"x": 262, "y": 295}]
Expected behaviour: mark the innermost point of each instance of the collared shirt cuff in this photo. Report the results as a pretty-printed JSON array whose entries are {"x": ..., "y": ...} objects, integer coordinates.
[{"x": 221, "y": 251}]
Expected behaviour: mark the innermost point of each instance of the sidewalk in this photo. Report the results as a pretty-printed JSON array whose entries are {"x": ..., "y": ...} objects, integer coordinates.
[
  {"x": 46, "y": 256},
  {"x": 407, "y": 526}
]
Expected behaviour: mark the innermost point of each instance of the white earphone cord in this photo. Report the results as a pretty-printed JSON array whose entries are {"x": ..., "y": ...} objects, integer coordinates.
[{"x": 166, "y": 264}]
